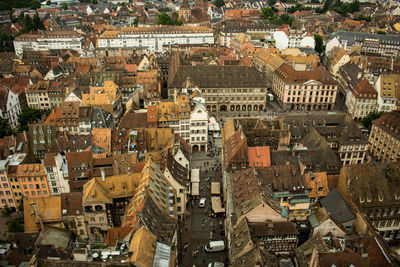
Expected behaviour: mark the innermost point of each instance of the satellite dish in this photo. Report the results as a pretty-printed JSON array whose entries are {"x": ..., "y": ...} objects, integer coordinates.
[{"x": 95, "y": 255}]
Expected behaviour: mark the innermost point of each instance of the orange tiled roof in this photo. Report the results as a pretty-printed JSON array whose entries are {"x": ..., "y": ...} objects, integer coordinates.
[{"x": 259, "y": 156}]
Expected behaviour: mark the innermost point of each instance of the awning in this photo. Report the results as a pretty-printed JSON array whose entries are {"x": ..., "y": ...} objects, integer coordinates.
[
  {"x": 195, "y": 177},
  {"x": 216, "y": 205},
  {"x": 215, "y": 188},
  {"x": 195, "y": 189}
]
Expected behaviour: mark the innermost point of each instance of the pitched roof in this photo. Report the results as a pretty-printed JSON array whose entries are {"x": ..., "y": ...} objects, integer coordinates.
[
  {"x": 48, "y": 208},
  {"x": 289, "y": 75},
  {"x": 389, "y": 122},
  {"x": 259, "y": 156},
  {"x": 318, "y": 183},
  {"x": 142, "y": 246},
  {"x": 214, "y": 76},
  {"x": 117, "y": 234},
  {"x": 337, "y": 206},
  {"x": 132, "y": 120}
]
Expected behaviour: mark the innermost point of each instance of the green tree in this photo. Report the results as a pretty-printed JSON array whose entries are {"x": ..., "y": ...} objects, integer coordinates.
[
  {"x": 319, "y": 43},
  {"x": 354, "y": 6},
  {"x": 381, "y": 32},
  {"x": 28, "y": 25},
  {"x": 6, "y": 43},
  {"x": 16, "y": 225},
  {"x": 48, "y": 2},
  {"x": 367, "y": 121},
  {"x": 37, "y": 23},
  {"x": 34, "y": 5},
  {"x": 219, "y": 3},
  {"x": 164, "y": 19},
  {"x": 267, "y": 13},
  {"x": 28, "y": 115},
  {"x": 64, "y": 6},
  {"x": 5, "y": 129},
  {"x": 6, "y": 211},
  {"x": 286, "y": 19},
  {"x": 271, "y": 2}
]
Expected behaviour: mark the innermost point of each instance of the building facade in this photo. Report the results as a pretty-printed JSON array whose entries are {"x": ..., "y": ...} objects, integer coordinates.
[
  {"x": 384, "y": 137},
  {"x": 225, "y": 88},
  {"x": 152, "y": 38},
  {"x": 304, "y": 90},
  {"x": 48, "y": 40}
]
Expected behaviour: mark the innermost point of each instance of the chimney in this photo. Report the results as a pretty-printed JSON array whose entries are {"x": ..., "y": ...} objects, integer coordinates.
[{"x": 103, "y": 174}]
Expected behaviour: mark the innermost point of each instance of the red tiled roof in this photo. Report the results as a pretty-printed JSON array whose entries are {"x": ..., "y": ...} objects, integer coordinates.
[
  {"x": 259, "y": 156},
  {"x": 151, "y": 114},
  {"x": 115, "y": 234}
]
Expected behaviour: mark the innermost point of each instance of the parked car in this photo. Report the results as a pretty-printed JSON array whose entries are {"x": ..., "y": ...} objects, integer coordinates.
[{"x": 202, "y": 202}]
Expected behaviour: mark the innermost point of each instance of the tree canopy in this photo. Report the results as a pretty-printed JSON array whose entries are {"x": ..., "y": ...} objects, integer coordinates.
[
  {"x": 219, "y": 3},
  {"x": 31, "y": 25},
  {"x": 9, "y": 5},
  {"x": 269, "y": 15},
  {"x": 28, "y": 115},
  {"x": 341, "y": 8},
  {"x": 5, "y": 129},
  {"x": 6, "y": 42},
  {"x": 367, "y": 121},
  {"x": 319, "y": 43},
  {"x": 298, "y": 7},
  {"x": 165, "y": 19},
  {"x": 64, "y": 6},
  {"x": 271, "y": 2}
]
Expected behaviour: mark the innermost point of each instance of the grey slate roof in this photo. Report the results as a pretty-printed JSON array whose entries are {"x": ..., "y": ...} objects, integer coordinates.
[
  {"x": 353, "y": 37},
  {"x": 213, "y": 76},
  {"x": 337, "y": 207}
]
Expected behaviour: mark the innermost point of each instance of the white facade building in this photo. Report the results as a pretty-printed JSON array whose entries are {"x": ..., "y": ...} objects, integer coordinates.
[
  {"x": 199, "y": 127},
  {"x": 154, "y": 38},
  {"x": 293, "y": 38},
  {"x": 56, "y": 171},
  {"x": 47, "y": 41}
]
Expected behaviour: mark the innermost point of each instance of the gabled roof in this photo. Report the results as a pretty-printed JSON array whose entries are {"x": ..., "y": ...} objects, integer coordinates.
[
  {"x": 142, "y": 246},
  {"x": 337, "y": 206}
]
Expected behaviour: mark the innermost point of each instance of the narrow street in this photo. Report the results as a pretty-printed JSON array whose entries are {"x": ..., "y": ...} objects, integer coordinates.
[{"x": 200, "y": 226}]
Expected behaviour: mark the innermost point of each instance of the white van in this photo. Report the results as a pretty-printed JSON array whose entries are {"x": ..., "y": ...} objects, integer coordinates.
[
  {"x": 216, "y": 264},
  {"x": 214, "y": 246}
]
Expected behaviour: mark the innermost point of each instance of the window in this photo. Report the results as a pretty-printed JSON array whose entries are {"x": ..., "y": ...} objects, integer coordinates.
[
  {"x": 101, "y": 219},
  {"x": 92, "y": 219}
]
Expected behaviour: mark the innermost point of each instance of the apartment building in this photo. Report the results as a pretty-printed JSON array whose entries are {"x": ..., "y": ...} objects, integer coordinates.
[
  {"x": 42, "y": 136},
  {"x": 385, "y": 45},
  {"x": 6, "y": 192},
  {"x": 384, "y": 137},
  {"x": 304, "y": 90},
  {"x": 37, "y": 95},
  {"x": 373, "y": 189},
  {"x": 388, "y": 87},
  {"x": 293, "y": 38},
  {"x": 56, "y": 171},
  {"x": 31, "y": 178},
  {"x": 152, "y": 38},
  {"x": 12, "y": 101},
  {"x": 225, "y": 88},
  {"x": 362, "y": 100},
  {"x": 48, "y": 40}
]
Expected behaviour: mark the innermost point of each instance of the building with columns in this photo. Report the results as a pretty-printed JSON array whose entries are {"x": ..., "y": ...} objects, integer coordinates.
[{"x": 225, "y": 88}]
